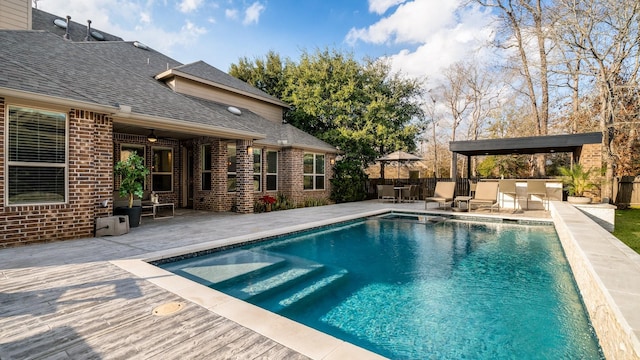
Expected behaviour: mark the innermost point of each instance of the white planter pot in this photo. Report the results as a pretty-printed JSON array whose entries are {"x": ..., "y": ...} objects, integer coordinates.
[{"x": 579, "y": 199}]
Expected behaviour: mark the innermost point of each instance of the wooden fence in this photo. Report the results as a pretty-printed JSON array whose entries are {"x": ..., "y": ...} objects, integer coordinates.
[{"x": 627, "y": 191}]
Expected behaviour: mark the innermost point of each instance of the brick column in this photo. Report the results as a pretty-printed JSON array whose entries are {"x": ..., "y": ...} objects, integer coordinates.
[
  {"x": 244, "y": 177},
  {"x": 219, "y": 174}
]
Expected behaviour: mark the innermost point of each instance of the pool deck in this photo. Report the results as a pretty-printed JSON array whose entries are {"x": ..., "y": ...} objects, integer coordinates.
[{"x": 95, "y": 297}]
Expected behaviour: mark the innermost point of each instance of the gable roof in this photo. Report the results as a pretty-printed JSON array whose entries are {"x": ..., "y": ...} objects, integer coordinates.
[
  {"x": 43, "y": 63},
  {"x": 200, "y": 71}
]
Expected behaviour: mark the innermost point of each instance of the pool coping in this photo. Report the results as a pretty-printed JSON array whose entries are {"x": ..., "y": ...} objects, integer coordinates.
[
  {"x": 610, "y": 300},
  {"x": 606, "y": 272}
]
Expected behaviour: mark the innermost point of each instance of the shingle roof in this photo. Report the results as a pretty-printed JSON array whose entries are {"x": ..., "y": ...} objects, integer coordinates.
[
  {"x": 205, "y": 71},
  {"x": 41, "y": 20},
  {"x": 44, "y": 63},
  {"x": 275, "y": 132}
]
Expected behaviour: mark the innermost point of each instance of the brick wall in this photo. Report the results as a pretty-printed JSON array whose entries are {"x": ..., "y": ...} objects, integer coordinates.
[
  {"x": 591, "y": 156},
  {"x": 291, "y": 170},
  {"x": 90, "y": 178}
]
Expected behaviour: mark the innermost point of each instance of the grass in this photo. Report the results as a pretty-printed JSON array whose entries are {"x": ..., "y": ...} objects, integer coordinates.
[{"x": 627, "y": 227}]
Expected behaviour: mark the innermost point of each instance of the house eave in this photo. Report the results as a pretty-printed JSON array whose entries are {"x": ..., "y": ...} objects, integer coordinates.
[
  {"x": 185, "y": 127},
  {"x": 21, "y": 95},
  {"x": 168, "y": 74}
]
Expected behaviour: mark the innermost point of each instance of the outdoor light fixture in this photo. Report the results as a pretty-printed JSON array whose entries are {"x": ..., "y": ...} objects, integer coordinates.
[
  {"x": 332, "y": 161},
  {"x": 250, "y": 150},
  {"x": 152, "y": 137}
]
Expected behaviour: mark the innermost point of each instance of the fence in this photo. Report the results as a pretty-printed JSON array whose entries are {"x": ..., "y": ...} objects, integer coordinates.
[
  {"x": 627, "y": 191},
  {"x": 427, "y": 186}
]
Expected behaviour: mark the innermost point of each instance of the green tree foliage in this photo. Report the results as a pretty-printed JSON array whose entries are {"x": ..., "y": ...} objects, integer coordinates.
[
  {"x": 348, "y": 181},
  {"x": 266, "y": 74},
  {"x": 363, "y": 108}
]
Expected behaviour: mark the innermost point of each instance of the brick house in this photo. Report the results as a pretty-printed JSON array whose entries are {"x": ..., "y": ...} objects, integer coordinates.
[{"x": 74, "y": 100}]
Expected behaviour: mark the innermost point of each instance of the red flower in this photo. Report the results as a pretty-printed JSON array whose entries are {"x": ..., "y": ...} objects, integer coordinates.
[{"x": 268, "y": 199}]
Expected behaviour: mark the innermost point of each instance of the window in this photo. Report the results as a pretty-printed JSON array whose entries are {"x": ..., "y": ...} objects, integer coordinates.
[
  {"x": 128, "y": 149},
  {"x": 162, "y": 170},
  {"x": 37, "y": 156},
  {"x": 313, "y": 171},
  {"x": 206, "y": 167},
  {"x": 231, "y": 167},
  {"x": 257, "y": 169},
  {"x": 272, "y": 170}
]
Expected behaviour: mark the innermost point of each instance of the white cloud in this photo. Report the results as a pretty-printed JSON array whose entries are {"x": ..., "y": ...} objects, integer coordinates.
[
  {"x": 381, "y": 6},
  {"x": 187, "y": 6},
  {"x": 128, "y": 19},
  {"x": 432, "y": 33},
  {"x": 145, "y": 17},
  {"x": 231, "y": 13},
  {"x": 252, "y": 13}
]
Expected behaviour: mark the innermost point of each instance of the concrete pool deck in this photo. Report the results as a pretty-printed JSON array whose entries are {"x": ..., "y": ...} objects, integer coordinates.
[{"x": 95, "y": 297}]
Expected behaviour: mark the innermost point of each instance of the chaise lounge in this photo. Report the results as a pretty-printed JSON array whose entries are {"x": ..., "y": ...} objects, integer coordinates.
[
  {"x": 486, "y": 195},
  {"x": 443, "y": 194}
]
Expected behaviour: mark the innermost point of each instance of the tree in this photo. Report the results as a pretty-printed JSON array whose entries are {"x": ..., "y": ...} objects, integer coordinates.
[
  {"x": 522, "y": 21},
  {"x": 455, "y": 95},
  {"x": 606, "y": 35},
  {"x": 266, "y": 74}
]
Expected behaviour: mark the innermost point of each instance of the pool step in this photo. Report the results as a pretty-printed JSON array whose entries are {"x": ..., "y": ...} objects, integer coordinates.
[
  {"x": 215, "y": 270},
  {"x": 263, "y": 284},
  {"x": 321, "y": 282}
]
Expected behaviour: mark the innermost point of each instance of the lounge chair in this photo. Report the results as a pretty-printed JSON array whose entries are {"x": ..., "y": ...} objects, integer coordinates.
[
  {"x": 443, "y": 194},
  {"x": 486, "y": 195},
  {"x": 386, "y": 192},
  {"x": 508, "y": 187},
  {"x": 537, "y": 188}
]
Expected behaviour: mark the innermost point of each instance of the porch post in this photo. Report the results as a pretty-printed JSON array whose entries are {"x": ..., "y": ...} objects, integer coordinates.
[
  {"x": 454, "y": 166},
  {"x": 244, "y": 177}
]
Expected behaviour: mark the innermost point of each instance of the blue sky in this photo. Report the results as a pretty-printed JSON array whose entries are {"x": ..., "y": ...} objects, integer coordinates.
[{"x": 420, "y": 37}]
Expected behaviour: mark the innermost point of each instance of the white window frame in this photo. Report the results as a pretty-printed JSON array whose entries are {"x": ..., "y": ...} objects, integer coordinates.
[
  {"x": 9, "y": 163},
  {"x": 314, "y": 175}
]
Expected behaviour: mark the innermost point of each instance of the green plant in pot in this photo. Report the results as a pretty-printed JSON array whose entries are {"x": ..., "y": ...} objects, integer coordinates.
[
  {"x": 132, "y": 173},
  {"x": 577, "y": 181}
]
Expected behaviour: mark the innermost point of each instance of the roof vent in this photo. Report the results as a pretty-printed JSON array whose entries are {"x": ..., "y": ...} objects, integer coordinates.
[
  {"x": 96, "y": 35},
  {"x": 66, "y": 33},
  {"x": 61, "y": 23},
  {"x": 234, "y": 110},
  {"x": 140, "y": 45},
  {"x": 88, "y": 37}
]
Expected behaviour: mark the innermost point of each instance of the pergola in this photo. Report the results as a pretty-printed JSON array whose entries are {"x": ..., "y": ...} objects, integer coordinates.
[{"x": 524, "y": 145}]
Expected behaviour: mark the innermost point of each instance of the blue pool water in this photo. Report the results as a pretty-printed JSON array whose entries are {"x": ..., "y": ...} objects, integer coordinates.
[{"x": 409, "y": 289}]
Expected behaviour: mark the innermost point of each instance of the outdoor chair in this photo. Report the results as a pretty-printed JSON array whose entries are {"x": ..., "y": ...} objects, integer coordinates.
[
  {"x": 443, "y": 194},
  {"x": 486, "y": 195},
  {"x": 539, "y": 189},
  {"x": 508, "y": 187},
  {"x": 472, "y": 187},
  {"x": 386, "y": 192},
  {"x": 410, "y": 194}
]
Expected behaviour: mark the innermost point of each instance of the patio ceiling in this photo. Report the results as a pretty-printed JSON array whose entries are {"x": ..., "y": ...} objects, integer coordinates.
[{"x": 525, "y": 145}]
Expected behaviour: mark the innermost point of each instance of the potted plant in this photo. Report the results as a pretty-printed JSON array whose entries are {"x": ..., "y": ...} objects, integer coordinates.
[
  {"x": 132, "y": 173},
  {"x": 577, "y": 181}
]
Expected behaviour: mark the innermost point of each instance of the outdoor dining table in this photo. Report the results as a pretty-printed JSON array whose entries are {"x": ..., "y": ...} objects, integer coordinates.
[{"x": 399, "y": 190}]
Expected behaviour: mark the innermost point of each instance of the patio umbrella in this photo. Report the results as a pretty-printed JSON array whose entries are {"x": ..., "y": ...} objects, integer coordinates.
[{"x": 399, "y": 157}]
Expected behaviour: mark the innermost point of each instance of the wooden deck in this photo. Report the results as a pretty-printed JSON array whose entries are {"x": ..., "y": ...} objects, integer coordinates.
[{"x": 98, "y": 311}]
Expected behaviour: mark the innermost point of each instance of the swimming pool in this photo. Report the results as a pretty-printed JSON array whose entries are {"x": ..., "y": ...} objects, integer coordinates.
[{"x": 406, "y": 288}]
